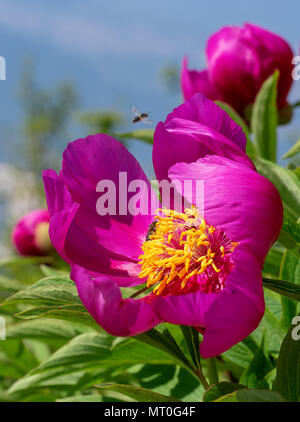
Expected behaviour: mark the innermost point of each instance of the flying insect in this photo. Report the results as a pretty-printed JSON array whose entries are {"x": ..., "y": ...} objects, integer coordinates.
[{"x": 140, "y": 117}]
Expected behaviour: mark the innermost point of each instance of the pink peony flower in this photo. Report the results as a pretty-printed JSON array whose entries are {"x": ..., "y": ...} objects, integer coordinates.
[
  {"x": 202, "y": 271},
  {"x": 239, "y": 60},
  {"x": 30, "y": 234}
]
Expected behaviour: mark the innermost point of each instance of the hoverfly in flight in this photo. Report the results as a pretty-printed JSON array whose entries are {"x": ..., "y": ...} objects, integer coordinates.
[{"x": 140, "y": 117}]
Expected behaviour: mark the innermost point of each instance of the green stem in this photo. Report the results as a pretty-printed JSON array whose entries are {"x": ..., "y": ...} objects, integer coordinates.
[
  {"x": 191, "y": 336},
  {"x": 199, "y": 374},
  {"x": 212, "y": 372}
]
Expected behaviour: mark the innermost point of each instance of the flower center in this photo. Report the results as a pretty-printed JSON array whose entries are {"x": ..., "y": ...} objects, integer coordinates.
[{"x": 182, "y": 253}]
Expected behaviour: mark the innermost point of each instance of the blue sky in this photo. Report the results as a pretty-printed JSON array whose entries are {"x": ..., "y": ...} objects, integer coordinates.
[{"x": 113, "y": 51}]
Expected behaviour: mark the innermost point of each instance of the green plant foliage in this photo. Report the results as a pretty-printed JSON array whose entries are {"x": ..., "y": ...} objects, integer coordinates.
[
  {"x": 293, "y": 151},
  {"x": 145, "y": 135},
  {"x": 264, "y": 119},
  {"x": 287, "y": 380}
]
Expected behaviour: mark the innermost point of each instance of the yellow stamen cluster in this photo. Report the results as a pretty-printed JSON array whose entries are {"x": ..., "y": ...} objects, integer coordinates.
[{"x": 179, "y": 247}]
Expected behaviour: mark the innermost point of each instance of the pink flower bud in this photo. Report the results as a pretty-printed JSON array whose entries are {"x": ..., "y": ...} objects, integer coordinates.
[
  {"x": 239, "y": 60},
  {"x": 30, "y": 235}
]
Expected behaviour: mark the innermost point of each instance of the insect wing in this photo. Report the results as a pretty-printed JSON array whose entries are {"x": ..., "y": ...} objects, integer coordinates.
[
  {"x": 135, "y": 111},
  {"x": 147, "y": 121}
]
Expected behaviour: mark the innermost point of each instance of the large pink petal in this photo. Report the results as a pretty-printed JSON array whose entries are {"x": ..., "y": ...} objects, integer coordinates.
[
  {"x": 226, "y": 317},
  {"x": 102, "y": 298},
  {"x": 71, "y": 236},
  {"x": 201, "y": 110},
  {"x": 100, "y": 157},
  {"x": 84, "y": 247},
  {"x": 195, "y": 129},
  {"x": 237, "y": 199},
  {"x": 237, "y": 311},
  {"x": 108, "y": 244}
]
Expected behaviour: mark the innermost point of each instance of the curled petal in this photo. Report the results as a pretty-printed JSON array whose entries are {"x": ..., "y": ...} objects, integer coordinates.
[
  {"x": 102, "y": 298},
  {"x": 197, "y": 128},
  {"x": 62, "y": 210}
]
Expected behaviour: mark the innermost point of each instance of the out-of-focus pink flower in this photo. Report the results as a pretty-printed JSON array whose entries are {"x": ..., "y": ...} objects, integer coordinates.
[
  {"x": 30, "y": 235},
  {"x": 239, "y": 60},
  {"x": 200, "y": 271}
]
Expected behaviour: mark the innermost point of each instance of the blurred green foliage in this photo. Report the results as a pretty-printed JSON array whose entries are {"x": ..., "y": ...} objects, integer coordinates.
[
  {"x": 101, "y": 121},
  {"x": 46, "y": 115},
  {"x": 170, "y": 77}
]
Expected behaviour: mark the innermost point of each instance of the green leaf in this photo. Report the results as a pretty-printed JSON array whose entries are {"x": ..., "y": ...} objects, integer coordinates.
[
  {"x": 9, "y": 284},
  {"x": 57, "y": 290},
  {"x": 272, "y": 263},
  {"x": 253, "y": 377},
  {"x": 85, "y": 348},
  {"x": 86, "y": 352},
  {"x": 131, "y": 352},
  {"x": 287, "y": 380},
  {"x": 72, "y": 313},
  {"x": 50, "y": 271},
  {"x": 264, "y": 119},
  {"x": 92, "y": 398},
  {"x": 250, "y": 149},
  {"x": 284, "y": 288},
  {"x": 169, "y": 380},
  {"x": 221, "y": 389},
  {"x": 191, "y": 336},
  {"x": 293, "y": 151},
  {"x": 165, "y": 342},
  {"x": 83, "y": 352},
  {"x": 271, "y": 325},
  {"x": 53, "y": 297},
  {"x": 48, "y": 331},
  {"x": 290, "y": 235},
  {"x": 25, "y": 260},
  {"x": 28, "y": 387},
  {"x": 286, "y": 182},
  {"x": 249, "y": 395},
  {"x": 39, "y": 349},
  {"x": 25, "y": 269},
  {"x": 15, "y": 353},
  {"x": 145, "y": 135},
  {"x": 139, "y": 394},
  {"x": 289, "y": 271},
  {"x": 240, "y": 354}
]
